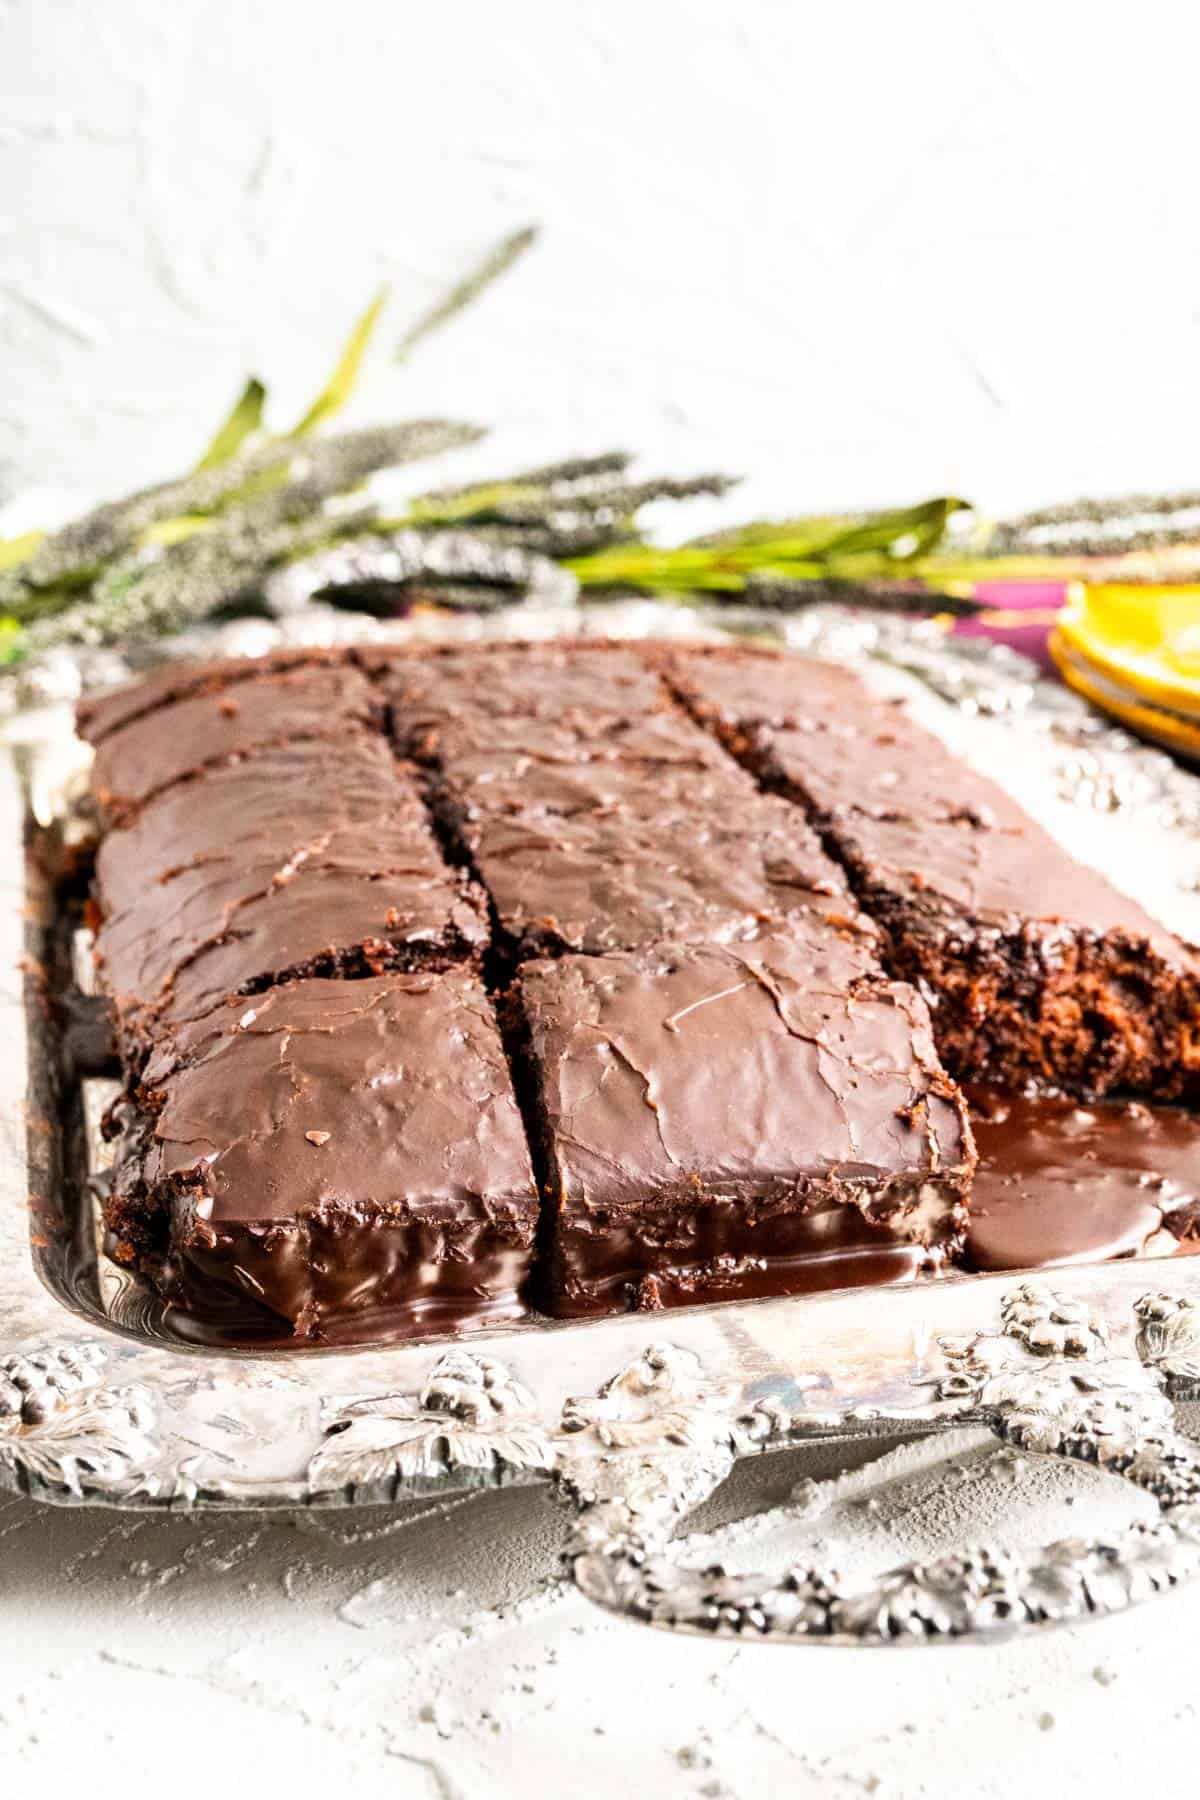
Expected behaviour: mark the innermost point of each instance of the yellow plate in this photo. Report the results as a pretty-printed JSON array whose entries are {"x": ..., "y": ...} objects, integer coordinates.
[
  {"x": 1145, "y": 639},
  {"x": 1174, "y": 730}
]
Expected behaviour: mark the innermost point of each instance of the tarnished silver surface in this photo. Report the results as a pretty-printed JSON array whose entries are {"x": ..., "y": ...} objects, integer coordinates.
[
  {"x": 1083, "y": 1370},
  {"x": 405, "y": 556},
  {"x": 634, "y": 1420}
]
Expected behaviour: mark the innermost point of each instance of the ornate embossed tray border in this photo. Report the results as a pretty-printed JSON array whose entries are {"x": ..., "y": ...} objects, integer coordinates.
[{"x": 634, "y": 1431}]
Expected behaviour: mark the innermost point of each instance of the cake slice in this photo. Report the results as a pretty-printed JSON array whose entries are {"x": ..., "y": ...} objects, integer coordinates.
[
  {"x": 559, "y": 682},
  {"x": 727, "y": 1121},
  {"x": 216, "y": 724},
  {"x": 597, "y": 815},
  {"x": 334, "y": 1158},
  {"x": 97, "y": 716},
  {"x": 605, "y": 880},
  {"x": 310, "y": 859},
  {"x": 536, "y": 758},
  {"x": 272, "y": 806},
  {"x": 265, "y": 928},
  {"x": 1037, "y": 968}
]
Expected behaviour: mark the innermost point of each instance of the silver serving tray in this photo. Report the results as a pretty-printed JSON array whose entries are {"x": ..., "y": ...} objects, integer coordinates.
[{"x": 633, "y": 1420}]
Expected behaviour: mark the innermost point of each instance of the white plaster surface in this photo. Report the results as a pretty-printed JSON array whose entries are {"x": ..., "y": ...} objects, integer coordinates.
[
  {"x": 860, "y": 252},
  {"x": 432, "y": 1653}
]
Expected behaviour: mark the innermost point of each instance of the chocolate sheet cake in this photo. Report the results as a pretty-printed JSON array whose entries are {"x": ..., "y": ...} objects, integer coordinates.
[
  {"x": 687, "y": 940},
  {"x": 1038, "y": 968}
]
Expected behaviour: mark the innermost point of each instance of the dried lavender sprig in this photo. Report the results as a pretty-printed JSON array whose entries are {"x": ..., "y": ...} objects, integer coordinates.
[
  {"x": 620, "y": 499},
  {"x": 505, "y": 503},
  {"x": 148, "y": 594},
  {"x": 1113, "y": 506},
  {"x": 1090, "y": 527},
  {"x": 159, "y": 591},
  {"x": 576, "y": 468},
  {"x": 329, "y": 465},
  {"x": 113, "y": 528},
  {"x": 337, "y": 464},
  {"x": 563, "y": 539},
  {"x": 564, "y": 475}
]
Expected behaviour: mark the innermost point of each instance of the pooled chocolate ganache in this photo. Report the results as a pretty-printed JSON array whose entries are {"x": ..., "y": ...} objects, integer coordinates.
[{"x": 452, "y": 985}]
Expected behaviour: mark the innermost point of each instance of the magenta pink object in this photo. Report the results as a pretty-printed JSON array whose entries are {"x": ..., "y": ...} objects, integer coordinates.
[{"x": 1018, "y": 613}]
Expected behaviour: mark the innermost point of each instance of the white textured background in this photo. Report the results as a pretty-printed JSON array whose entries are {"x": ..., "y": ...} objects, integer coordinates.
[
  {"x": 858, "y": 251},
  {"x": 861, "y": 252},
  {"x": 430, "y": 1654}
]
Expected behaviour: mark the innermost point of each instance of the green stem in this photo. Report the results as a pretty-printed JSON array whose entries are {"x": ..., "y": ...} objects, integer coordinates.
[{"x": 495, "y": 264}]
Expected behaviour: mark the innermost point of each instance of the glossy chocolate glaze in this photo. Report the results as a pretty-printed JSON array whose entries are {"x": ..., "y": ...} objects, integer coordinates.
[
  {"x": 339, "y": 1278},
  {"x": 725, "y": 1250},
  {"x": 1062, "y": 1182},
  {"x": 333, "y": 1148},
  {"x": 96, "y": 717},
  {"x": 915, "y": 817},
  {"x": 276, "y": 804},
  {"x": 324, "y": 922},
  {"x": 510, "y": 742},
  {"x": 140, "y": 759},
  {"x": 306, "y": 858},
  {"x": 659, "y": 765},
  {"x": 190, "y": 950},
  {"x": 695, "y": 1103},
  {"x": 603, "y": 880},
  {"x": 548, "y": 681},
  {"x": 208, "y": 1313},
  {"x": 595, "y": 829}
]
